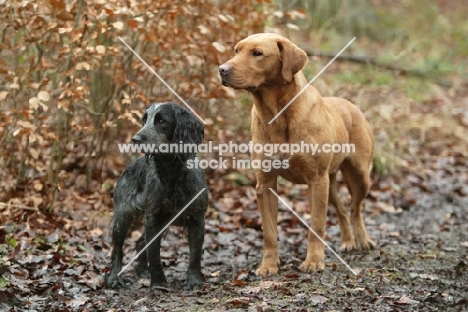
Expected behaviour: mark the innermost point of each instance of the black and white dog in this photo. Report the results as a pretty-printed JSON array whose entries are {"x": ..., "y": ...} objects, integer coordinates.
[{"x": 154, "y": 188}]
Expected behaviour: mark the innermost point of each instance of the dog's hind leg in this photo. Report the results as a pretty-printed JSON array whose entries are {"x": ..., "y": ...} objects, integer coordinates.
[
  {"x": 347, "y": 237},
  {"x": 318, "y": 189},
  {"x": 356, "y": 176}
]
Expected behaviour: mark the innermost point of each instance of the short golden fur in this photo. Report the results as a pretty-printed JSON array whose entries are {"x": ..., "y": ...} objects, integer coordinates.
[{"x": 269, "y": 66}]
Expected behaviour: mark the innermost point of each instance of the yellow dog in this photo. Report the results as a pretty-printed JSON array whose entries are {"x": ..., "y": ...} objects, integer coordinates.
[{"x": 269, "y": 66}]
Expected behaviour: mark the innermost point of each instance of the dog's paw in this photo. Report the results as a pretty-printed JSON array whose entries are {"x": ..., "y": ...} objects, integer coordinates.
[
  {"x": 364, "y": 244},
  {"x": 267, "y": 269},
  {"x": 143, "y": 272},
  {"x": 194, "y": 286},
  {"x": 362, "y": 239},
  {"x": 158, "y": 278},
  {"x": 163, "y": 285},
  {"x": 115, "y": 281},
  {"x": 312, "y": 266},
  {"x": 163, "y": 288},
  {"x": 160, "y": 282},
  {"x": 194, "y": 280},
  {"x": 348, "y": 246}
]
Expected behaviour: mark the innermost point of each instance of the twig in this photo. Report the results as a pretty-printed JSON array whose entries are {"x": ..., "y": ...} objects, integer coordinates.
[
  {"x": 372, "y": 61},
  {"x": 18, "y": 207}
]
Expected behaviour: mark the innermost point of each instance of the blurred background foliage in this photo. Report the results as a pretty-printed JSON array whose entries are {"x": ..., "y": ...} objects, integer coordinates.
[{"x": 71, "y": 90}]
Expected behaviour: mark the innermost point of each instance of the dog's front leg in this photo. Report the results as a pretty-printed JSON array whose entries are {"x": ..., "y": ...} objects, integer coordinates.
[
  {"x": 318, "y": 201},
  {"x": 120, "y": 228},
  {"x": 154, "y": 226},
  {"x": 196, "y": 236},
  {"x": 268, "y": 205},
  {"x": 142, "y": 267}
]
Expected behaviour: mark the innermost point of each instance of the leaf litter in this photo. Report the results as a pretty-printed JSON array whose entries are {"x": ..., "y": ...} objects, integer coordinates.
[{"x": 417, "y": 216}]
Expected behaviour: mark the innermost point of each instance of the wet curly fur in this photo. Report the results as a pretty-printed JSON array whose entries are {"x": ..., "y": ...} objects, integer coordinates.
[{"x": 153, "y": 189}]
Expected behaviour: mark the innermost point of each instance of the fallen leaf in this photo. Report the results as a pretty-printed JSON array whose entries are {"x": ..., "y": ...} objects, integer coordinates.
[
  {"x": 78, "y": 301},
  {"x": 100, "y": 49},
  {"x": 406, "y": 300},
  {"x": 43, "y": 96},
  {"x": 428, "y": 276},
  {"x": 317, "y": 299},
  {"x": 38, "y": 186},
  {"x": 34, "y": 103},
  {"x": 64, "y": 30},
  {"x": 241, "y": 275},
  {"x": 118, "y": 25},
  {"x": 269, "y": 284},
  {"x": 239, "y": 302},
  {"x": 219, "y": 47},
  {"x": 4, "y": 94},
  {"x": 65, "y": 16},
  {"x": 132, "y": 23},
  {"x": 15, "y": 84},
  {"x": 238, "y": 283}
]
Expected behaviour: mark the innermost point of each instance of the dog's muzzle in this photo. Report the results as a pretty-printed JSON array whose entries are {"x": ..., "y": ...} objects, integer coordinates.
[{"x": 224, "y": 71}]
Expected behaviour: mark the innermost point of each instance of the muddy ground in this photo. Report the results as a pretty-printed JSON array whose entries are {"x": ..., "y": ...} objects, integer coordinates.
[{"x": 419, "y": 222}]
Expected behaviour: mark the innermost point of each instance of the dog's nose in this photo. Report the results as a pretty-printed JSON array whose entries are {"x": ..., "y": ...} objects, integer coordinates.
[
  {"x": 225, "y": 70},
  {"x": 137, "y": 139}
]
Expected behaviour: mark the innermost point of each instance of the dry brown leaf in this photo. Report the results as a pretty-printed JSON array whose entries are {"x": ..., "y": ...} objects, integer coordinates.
[
  {"x": 238, "y": 283},
  {"x": 4, "y": 95},
  {"x": 239, "y": 302},
  {"x": 101, "y": 49},
  {"x": 132, "y": 23},
  {"x": 118, "y": 25},
  {"x": 43, "y": 96},
  {"x": 65, "y": 16},
  {"x": 219, "y": 47},
  {"x": 64, "y": 30},
  {"x": 406, "y": 300},
  {"x": 34, "y": 103}
]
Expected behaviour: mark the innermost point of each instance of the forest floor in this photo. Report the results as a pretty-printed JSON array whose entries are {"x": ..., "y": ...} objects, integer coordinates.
[
  {"x": 416, "y": 212},
  {"x": 58, "y": 262}
]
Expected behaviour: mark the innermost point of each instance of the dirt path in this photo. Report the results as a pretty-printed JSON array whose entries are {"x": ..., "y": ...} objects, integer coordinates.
[{"x": 419, "y": 222}]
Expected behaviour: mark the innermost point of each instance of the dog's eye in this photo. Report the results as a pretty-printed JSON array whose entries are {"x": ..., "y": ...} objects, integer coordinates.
[
  {"x": 257, "y": 53},
  {"x": 236, "y": 51},
  {"x": 161, "y": 121}
]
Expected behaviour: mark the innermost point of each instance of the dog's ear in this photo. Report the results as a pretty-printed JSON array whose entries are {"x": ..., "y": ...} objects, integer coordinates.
[
  {"x": 293, "y": 59},
  {"x": 188, "y": 128}
]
